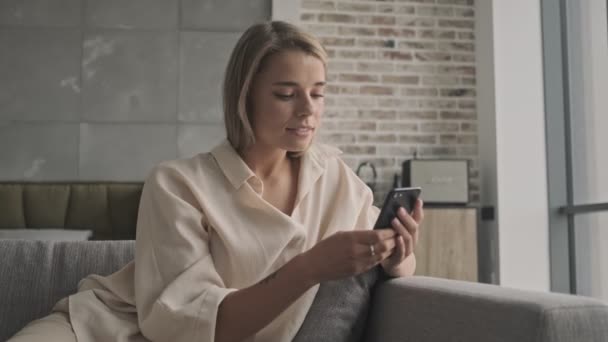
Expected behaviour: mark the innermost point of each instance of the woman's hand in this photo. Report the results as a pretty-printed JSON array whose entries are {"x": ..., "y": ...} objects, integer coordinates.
[
  {"x": 406, "y": 227},
  {"x": 348, "y": 253}
]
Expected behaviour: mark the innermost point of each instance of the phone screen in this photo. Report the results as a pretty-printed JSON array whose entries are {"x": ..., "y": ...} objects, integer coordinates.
[{"x": 398, "y": 197}]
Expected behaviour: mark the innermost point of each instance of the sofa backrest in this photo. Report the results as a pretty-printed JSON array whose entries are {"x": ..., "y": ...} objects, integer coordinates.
[
  {"x": 34, "y": 275},
  {"x": 108, "y": 209}
]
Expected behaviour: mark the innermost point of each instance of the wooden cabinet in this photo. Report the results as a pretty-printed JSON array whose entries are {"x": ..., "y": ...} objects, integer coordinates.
[{"x": 447, "y": 246}]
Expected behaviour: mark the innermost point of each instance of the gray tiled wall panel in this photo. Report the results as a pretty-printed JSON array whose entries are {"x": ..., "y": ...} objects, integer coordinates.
[
  {"x": 54, "y": 13},
  {"x": 130, "y": 76},
  {"x": 39, "y": 74},
  {"x": 194, "y": 139},
  {"x": 149, "y": 14},
  {"x": 224, "y": 15},
  {"x": 204, "y": 58},
  {"x": 32, "y": 151},
  {"x": 125, "y": 152}
]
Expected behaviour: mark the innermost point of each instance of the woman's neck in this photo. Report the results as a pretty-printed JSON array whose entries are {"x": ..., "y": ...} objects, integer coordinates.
[{"x": 266, "y": 162}]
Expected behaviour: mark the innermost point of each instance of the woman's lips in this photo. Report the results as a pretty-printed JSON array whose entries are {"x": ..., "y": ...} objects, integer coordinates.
[{"x": 300, "y": 131}]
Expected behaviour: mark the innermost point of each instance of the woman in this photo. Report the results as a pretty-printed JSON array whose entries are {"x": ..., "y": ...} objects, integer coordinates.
[{"x": 232, "y": 244}]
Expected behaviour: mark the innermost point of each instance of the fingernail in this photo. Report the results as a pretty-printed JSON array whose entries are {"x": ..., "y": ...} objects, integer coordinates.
[{"x": 403, "y": 211}]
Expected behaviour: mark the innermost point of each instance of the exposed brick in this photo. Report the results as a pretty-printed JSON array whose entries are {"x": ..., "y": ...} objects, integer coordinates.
[
  {"x": 424, "y": 92},
  {"x": 468, "y": 127},
  {"x": 456, "y": 47},
  {"x": 308, "y": 17},
  {"x": 458, "y": 92},
  {"x": 468, "y": 80},
  {"x": 333, "y": 41},
  {"x": 400, "y": 79},
  {"x": 376, "y": 20},
  {"x": 467, "y": 104},
  {"x": 417, "y": 139},
  {"x": 340, "y": 66},
  {"x": 396, "y": 55},
  {"x": 386, "y": 8},
  {"x": 456, "y": 70},
  {"x": 395, "y": 150},
  {"x": 440, "y": 80},
  {"x": 320, "y": 30},
  {"x": 401, "y": 9},
  {"x": 358, "y": 149},
  {"x": 337, "y": 18},
  {"x": 468, "y": 150},
  {"x": 342, "y": 114},
  {"x": 409, "y": 45},
  {"x": 356, "y": 31},
  {"x": 357, "y": 102},
  {"x": 456, "y": 139},
  {"x": 466, "y": 35},
  {"x": 378, "y": 114},
  {"x": 356, "y": 54},
  {"x": 436, "y": 34},
  {"x": 350, "y": 90},
  {"x": 438, "y": 151},
  {"x": 318, "y": 5},
  {"x": 381, "y": 43},
  {"x": 398, "y": 126},
  {"x": 332, "y": 89},
  {"x": 418, "y": 115},
  {"x": 456, "y": 2},
  {"x": 416, "y": 68},
  {"x": 455, "y": 23},
  {"x": 439, "y": 127},
  {"x": 396, "y": 32},
  {"x": 358, "y": 78},
  {"x": 433, "y": 56},
  {"x": 464, "y": 12},
  {"x": 420, "y": 1},
  {"x": 339, "y": 138},
  {"x": 396, "y": 103},
  {"x": 376, "y": 138},
  {"x": 457, "y": 115},
  {"x": 375, "y": 67},
  {"x": 350, "y": 125},
  {"x": 376, "y": 90},
  {"x": 437, "y": 104},
  {"x": 380, "y": 162},
  {"x": 464, "y": 58},
  {"x": 435, "y": 11},
  {"x": 415, "y": 22},
  {"x": 356, "y": 7}
]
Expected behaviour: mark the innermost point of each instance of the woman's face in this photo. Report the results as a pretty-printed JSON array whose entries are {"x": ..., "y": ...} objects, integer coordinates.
[{"x": 286, "y": 100}]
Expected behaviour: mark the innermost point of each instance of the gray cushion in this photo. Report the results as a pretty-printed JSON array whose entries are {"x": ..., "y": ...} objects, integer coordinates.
[
  {"x": 339, "y": 310},
  {"x": 426, "y": 309},
  {"x": 46, "y": 234},
  {"x": 43, "y": 272}
]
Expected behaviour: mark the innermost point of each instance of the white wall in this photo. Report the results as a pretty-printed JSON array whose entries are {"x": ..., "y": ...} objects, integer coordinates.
[
  {"x": 588, "y": 54},
  {"x": 512, "y": 138}
]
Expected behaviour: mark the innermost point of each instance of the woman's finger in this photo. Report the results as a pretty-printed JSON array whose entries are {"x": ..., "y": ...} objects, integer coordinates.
[
  {"x": 409, "y": 223},
  {"x": 418, "y": 213}
]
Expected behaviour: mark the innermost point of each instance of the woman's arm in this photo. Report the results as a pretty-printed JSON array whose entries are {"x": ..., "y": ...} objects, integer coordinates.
[{"x": 254, "y": 307}]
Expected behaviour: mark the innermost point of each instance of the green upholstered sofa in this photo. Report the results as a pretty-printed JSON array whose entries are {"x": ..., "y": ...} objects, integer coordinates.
[{"x": 108, "y": 209}]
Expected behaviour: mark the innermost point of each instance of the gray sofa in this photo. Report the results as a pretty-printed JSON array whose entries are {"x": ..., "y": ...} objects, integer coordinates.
[{"x": 35, "y": 274}]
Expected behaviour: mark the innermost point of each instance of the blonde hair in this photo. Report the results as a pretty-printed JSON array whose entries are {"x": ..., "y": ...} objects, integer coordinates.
[{"x": 248, "y": 56}]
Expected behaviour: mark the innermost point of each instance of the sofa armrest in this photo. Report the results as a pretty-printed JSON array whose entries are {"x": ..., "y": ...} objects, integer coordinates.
[{"x": 427, "y": 309}]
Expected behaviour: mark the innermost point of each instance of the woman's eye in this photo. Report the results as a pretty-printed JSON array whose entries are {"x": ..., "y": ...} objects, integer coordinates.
[
  {"x": 316, "y": 96},
  {"x": 284, "y": 96}
]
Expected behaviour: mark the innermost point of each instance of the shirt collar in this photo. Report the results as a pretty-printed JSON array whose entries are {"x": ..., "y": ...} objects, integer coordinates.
[{"x": 314, "y": 163}]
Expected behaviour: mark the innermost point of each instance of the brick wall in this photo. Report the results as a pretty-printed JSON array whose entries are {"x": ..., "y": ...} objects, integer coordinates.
[{"x": 401, "y": 81}]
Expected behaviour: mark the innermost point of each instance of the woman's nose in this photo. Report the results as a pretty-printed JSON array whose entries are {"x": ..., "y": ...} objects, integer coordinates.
[{"x": 306, "y": 107}]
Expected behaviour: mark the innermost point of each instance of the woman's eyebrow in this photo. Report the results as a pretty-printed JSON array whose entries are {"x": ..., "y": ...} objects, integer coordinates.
[{"x": 294, "y": 84}]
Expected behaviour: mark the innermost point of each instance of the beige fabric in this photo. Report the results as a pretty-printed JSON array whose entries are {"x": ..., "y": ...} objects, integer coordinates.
[
  {"x": 52, "y": 328},
  {"x": 203, "y": 231}
]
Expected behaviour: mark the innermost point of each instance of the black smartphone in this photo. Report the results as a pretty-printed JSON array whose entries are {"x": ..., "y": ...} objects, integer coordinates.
[{"x": 398, "y": 197}]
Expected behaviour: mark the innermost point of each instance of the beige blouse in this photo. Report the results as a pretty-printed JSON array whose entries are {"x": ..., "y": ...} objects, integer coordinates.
[{"x": 203, "y": 231}]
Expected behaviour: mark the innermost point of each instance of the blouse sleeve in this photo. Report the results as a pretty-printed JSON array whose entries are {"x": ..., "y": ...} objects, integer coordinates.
[
  {"x": 368, "y": 214},
  {"x": 177, "y": 288}
]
